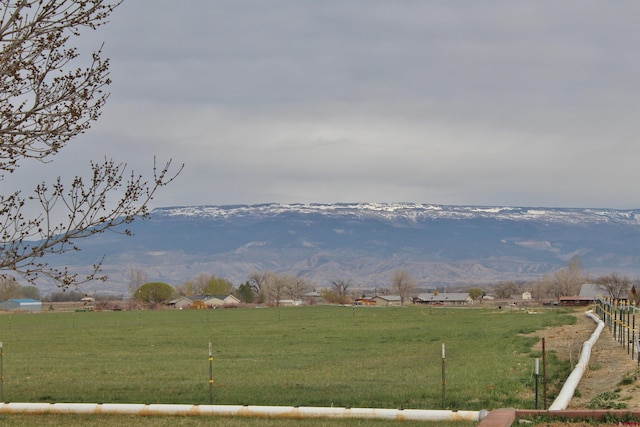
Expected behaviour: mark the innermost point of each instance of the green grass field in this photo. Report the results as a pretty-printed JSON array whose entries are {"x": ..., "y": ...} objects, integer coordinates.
[{"x": 304, "y": 356}]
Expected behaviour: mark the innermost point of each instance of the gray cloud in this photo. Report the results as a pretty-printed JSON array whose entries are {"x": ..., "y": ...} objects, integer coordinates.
[{"x": 507, "y": 103}]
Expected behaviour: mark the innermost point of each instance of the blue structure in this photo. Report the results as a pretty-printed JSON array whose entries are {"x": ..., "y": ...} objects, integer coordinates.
[{"x": 21, "y": 304}]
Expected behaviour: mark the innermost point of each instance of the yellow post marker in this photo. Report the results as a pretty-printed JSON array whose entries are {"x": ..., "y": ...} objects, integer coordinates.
[{"x": 210, "y": 375}]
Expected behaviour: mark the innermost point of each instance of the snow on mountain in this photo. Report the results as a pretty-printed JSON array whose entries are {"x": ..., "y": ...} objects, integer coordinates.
[{"x": 408, "y": 211}]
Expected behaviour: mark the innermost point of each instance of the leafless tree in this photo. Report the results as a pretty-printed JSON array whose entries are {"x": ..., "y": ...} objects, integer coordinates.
[
  {"x": 193, "y": 287},
  {"x": 200, "y": 283},
  {"x": 46, "y": 101},
  {"x": 616, "y": 286},
  {"x": 137, "y": 278},
  {"x": 403, "y": 283},
  {"x": 296, "y": 287},
  {"x": 567, "y": 281},
  {"x": 276, "y": 283},
  {"x": 341, "y": 287},
  {"x": 504, "y": 290}
]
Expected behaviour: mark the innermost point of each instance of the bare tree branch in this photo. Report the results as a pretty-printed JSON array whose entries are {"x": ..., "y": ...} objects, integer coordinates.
[{"x": 44, "y": 103}]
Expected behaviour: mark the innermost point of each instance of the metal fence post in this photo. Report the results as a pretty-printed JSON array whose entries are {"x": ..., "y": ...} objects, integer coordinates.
[
  {"x": 443, "y": 378},
  {"x": 210, "y": 375},
  {"x": 1, "y": 372}
]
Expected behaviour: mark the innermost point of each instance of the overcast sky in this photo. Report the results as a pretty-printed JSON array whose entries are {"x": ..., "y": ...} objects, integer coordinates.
[{"x": 527, "y": 103}]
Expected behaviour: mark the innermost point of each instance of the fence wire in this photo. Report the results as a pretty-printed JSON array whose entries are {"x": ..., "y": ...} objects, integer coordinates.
[{"x": 619, "y": 316}]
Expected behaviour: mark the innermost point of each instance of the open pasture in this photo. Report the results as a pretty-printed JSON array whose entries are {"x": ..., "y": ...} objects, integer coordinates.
[{"x": 305, "y": 356}]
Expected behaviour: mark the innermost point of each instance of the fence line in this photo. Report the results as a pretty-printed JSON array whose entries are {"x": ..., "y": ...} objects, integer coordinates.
[{"x": 619, "y": 316}]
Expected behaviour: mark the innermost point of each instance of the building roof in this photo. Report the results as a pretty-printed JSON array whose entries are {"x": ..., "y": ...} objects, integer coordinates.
[
  {"x": 592, "y": 290},
  {"x": 444, "y": 297},
  {"x": 389, "y": 297},
  {"x": 174, "y": 301}
]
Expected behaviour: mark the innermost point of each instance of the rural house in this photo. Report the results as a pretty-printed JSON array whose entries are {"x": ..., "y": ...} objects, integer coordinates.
[
  {"x": 218, "y": 300},
  {"x": 180, "y": 303},
  {"x": 387, "y": 300},
  {"x": 450, "y": 298}
]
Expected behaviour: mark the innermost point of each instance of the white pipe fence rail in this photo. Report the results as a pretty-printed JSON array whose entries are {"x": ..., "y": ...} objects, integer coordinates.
[{"x": 293, "y": 412}]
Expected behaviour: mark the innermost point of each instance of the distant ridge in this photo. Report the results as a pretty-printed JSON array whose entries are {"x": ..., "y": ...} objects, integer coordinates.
[
  {"x": 408, "y": 211},
  {"x": 365, "y": 242}
]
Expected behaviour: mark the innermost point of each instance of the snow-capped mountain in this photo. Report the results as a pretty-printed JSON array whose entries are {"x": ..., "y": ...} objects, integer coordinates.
[
  {"x": 366, "y": 242},
  {"x": 405, "y": 211}
]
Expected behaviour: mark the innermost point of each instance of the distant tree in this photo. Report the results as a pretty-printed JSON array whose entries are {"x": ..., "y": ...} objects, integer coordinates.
[
  {"x": 296, "y": 286},
  {"x": 154, "y": 293},
  {"x": 245, "y": 293},
  {"x": 10, "y": 289},
  {"x": 403, "y": 283},
  {"x": 616, "y": 286},
  {"x": 539, "y": 290},
  {"x": 259, "y": 281},
  {"x": 137, "y": 278},
  {"x": 186, "y": 289},
  {"x": 475, "y": 293},
  {"x": 340, "y": 292},
  {"x": 218, "y": 286},
  {"x": 504, "y": 290},
  {"x": 65, "y": 296},
  {"x": 566, "y": 281},
  {"x": 277, "y": 283},
  {"x": 200, "y": 283},
  {"x": 331, "y": 297},
  {"x": 205, "y": 284},
  {"x": 30, "y": 292},
  {"x": 341, "y": 287}
]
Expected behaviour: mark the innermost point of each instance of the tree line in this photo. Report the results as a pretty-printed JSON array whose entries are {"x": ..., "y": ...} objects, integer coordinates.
[
  {"x": 566, "y": 281},
  {"x": 261, "y": 287}
]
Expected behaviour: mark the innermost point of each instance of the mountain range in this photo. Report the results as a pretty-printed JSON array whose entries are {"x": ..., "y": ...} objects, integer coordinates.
[{"x": 438, "y": 245}]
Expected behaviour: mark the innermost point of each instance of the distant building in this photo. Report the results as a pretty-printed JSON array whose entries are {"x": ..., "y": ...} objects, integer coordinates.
[
  {"x": 592, "y": 291},
  {"x": 634, "y": 296},
  {"x": 387, "y": 300},
  {"x": 589, "y": 292},
  {"x": 181, "y": 303},
  {"x": 312, "y": 298},
  {"x": 444, "y": 298},
  {"x": 205, "y": 301},
  {"x": 526, "y": 295},
  {"x": 21, "y": 304}
]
